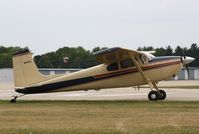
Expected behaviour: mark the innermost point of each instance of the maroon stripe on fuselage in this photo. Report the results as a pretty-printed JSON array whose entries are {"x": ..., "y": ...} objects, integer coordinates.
[{"x": 148, "y": 67}]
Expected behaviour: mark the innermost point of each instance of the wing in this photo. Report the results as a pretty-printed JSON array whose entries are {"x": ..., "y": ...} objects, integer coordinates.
[{"x": 114, "y": 54}]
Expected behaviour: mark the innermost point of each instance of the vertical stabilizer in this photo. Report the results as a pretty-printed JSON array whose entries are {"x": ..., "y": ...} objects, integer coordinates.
[{"x": 25, "y": 70}]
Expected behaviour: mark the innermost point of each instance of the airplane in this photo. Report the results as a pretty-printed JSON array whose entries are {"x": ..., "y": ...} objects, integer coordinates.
[{"x": 119, "y": 67}]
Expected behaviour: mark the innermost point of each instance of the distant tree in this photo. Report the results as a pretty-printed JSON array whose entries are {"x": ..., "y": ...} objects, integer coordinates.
[
  {"x": 179, "y": 51},
  {"x": 194, "y": 52},
  {"x": 95, "y": 49},
  {"x": 6, "y": 56},
  {"x": 145, "y": 48},
  {"x": 169, "y": 51},
  {"x": 78, "y": 58},
  {"x": 160, "y": 51}
]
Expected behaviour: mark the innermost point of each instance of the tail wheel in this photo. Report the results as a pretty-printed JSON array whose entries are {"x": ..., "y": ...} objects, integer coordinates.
[
  {"x": 13, "y": 101},
  {"x": 153, "y": 95},
  {"x": 163, "y": 94}
]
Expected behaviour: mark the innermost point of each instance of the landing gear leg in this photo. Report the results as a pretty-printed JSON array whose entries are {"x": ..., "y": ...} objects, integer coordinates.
[
  {"x": 156, "y": 95},
  {"x": 14, "y": 98}
]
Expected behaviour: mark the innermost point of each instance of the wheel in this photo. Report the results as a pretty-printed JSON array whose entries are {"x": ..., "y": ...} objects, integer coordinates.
[
  {"x": 13, "y": 101},
  {"x": 163, "y": 94},
  {"x": 153, "y": 96}
]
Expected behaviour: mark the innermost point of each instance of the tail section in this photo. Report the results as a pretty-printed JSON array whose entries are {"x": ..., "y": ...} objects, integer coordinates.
[{"x": 25, "y": 70}]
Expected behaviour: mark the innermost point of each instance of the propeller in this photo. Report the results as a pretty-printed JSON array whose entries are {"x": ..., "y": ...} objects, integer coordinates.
[
  {"x": 187, "y": 68},
  {"x": 184, "y": 52}
]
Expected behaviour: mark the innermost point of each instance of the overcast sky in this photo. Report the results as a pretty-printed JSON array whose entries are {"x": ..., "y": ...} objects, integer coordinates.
[{"x": 46, "y": 25}]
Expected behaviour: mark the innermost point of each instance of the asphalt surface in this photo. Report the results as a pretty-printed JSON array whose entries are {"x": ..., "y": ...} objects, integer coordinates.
[{"x": 130, "y": 93}]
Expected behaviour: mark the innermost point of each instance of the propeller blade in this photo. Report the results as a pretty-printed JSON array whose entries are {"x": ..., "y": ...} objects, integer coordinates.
[
  {"x": 187, "y": 68},
  {"x": 181, "y": 59}
]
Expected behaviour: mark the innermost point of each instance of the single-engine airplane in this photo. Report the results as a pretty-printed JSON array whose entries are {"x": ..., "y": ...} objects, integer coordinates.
[{"x": 120, "y": 68}]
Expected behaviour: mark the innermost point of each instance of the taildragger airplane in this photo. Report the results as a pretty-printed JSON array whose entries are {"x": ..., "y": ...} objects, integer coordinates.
[{"x": 120, "y": 68}]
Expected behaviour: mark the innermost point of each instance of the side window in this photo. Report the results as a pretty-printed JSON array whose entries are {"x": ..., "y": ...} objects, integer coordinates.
[
  {"x": 112, "y": 67},
  {"x": 126, "y": 63},
  {"x": 144, "y": 58}
]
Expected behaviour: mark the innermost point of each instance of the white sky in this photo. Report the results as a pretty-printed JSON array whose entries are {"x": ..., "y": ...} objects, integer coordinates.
[{"x": 46, "y": 25}]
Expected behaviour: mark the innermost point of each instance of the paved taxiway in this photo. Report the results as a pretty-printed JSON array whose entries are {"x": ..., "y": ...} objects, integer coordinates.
[{"x": 185, "y": 94}]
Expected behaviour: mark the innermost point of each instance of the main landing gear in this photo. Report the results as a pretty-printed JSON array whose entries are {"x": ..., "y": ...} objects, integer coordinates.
[
  {"x": 157, "y": 95},
  {"x": 14, "y": 98}
]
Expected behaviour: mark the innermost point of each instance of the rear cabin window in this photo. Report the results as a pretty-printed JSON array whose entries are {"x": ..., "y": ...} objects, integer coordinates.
[
  {"x": 112, "y": 67},
  {"x": 126, "y": 63}
]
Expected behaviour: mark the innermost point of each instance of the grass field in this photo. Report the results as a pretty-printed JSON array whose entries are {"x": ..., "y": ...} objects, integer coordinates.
[{"x": 59, "y": 117}]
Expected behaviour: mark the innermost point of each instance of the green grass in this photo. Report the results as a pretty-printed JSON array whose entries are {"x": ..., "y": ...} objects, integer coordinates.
[{"x": 76, "y": 117}]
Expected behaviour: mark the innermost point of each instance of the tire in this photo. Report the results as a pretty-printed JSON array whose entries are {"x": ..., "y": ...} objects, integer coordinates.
[
  {"x": 163, "y": 95},
  {"x": 13, "y": 101},
  {"x": 153, "y": 96}
]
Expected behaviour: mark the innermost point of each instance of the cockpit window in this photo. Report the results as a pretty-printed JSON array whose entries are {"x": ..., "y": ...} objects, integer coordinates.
[
  {"x": 144, "y": 58},
  {"x": 112, "y": 67},
  {"x": 126, "y": 63}
]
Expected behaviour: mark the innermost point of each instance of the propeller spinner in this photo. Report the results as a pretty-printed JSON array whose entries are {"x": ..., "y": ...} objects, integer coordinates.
[{"x": 185, "y": 61}]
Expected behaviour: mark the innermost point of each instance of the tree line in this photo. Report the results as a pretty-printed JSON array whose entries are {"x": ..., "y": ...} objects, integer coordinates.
[{"x": 82, "y": 58}]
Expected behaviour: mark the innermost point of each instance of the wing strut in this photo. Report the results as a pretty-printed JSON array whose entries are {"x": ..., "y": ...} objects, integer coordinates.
[
  {"x": 141, "y": 72},
  {"x": 153, "y": 95}
]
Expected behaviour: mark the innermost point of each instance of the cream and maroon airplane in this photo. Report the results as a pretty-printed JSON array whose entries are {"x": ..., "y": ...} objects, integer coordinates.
[{"x": 120, "y": 68}]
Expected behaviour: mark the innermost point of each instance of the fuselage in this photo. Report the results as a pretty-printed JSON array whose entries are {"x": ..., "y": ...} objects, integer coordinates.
[{"x": 110, "y": 76}]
